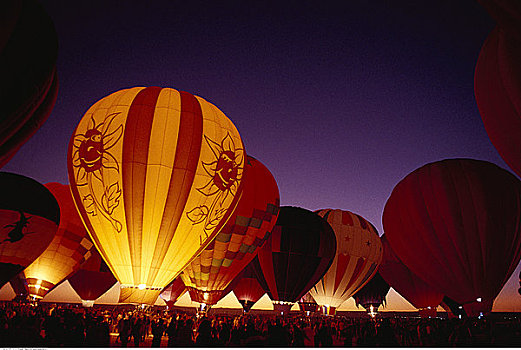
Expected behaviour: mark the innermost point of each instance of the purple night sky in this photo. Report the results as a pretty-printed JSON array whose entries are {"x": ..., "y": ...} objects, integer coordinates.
[{"x": 340, "y": 102}]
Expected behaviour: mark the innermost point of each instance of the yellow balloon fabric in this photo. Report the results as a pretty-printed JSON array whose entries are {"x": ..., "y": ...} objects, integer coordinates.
[
  {"x": 359, "y": 253},
  {"x": 155, "y": 173}
]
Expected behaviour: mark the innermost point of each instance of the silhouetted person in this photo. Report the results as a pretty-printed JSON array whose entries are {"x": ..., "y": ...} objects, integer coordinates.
[{"x": 158, "y": 329}]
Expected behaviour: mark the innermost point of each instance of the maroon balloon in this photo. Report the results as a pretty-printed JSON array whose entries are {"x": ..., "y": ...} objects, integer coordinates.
[
  {"x": 28, "y": 51},
  {"x": 507, "y": 14},
  {"x": 455, "y": 224},
  {"x": 497, "y": 87},
  {"x": 246, "y": 288},
  {"x": 173, "y": 292},
  {"x": 373, "y": 293},
  {"x": 298, "y": 253},
  {"x": 416, "y": 291},
  {"x": 93, "y": 279}
]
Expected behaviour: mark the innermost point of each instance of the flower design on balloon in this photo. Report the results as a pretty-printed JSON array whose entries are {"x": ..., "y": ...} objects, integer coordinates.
[
  {"x": 92, "y": 160},
  {"x": 225, "y": 173}
]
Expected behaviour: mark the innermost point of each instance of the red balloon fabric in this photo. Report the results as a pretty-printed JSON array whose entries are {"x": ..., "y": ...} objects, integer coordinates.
[
  {"x": 497, "y": 87},
  {"x": 507, "y": 14},
  {"x": 247, "y": 288},
  {"x": 420, "y": 294},
  {"x": 298, "y": 253},
  {"x": 456, "y": 224},
  {"x": 28, "y": 52},
  {"x": 373, "y": 293},
  {"x": 173, "y": 292}
]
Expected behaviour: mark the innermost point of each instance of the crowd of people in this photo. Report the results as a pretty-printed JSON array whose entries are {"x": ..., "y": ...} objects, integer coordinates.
[{"x": 45, "y": 325}]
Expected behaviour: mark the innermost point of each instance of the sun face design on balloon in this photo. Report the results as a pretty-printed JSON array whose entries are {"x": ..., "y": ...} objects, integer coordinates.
[
  {"x": 92, "y": 160},
  {"x": 225, "y": 173}
]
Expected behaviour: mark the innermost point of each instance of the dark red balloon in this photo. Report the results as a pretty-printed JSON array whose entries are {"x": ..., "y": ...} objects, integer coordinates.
[
  {"x": 246, "y": 288},
  {"x": 507, "y": 14},
  {"x": 455, "y": 224},
  {"x": 497, "y": 87},
  {"x": 373, "y": 293},
  {"x": 298, "y": 253},
  {"x": 173, "y": 292},
  {"x": 417, "y": 292},
  {"x": 28, "y": 52}
]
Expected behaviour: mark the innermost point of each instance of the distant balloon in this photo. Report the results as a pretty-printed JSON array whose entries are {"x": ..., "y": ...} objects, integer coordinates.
[
  {"x": 29, "y": 218},
  {"x": 298, "y": 253},
  {"x": 372, "y": 295},
  {"x": 420, "y": 294},
  {"x": 69, "y": 248},
  {"x": 28, "y": 52},
  {"x": 497, "y": 87},
  {"x": 236, "y": 244},
  {"x": 358, "y": 254},
  {"x": 173, "y": 292},
  {"x": 155, "y": 174},
  {"x": 246, "y": 288},
  {"x": 93, "y": 279},
  {"x": 455, "y": 224},
  {"x": 307, "y": 303}
]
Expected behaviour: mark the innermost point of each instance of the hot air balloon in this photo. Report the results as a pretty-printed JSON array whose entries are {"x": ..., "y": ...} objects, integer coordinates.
[
  {"x": 236, "y": 244},
  {"x": 297, "y": 254},
  {"x": 93, "y": 279},
  {"x": 507, "y": 14},
  {"x": 155, "y": 174},
  {"x": 69, "y": 248},
  {"x": 358, "y": 255},
  {"x": 455, "y": 224},
  {"x": 28, "y": 52},
  {"x": 497, "y": 87},
  {"x": 417, "y": 292},
  {"x": 307, "y": 303},
  {"x": 372, "y": 295},
  {"x": 29, "y": 218},
  {"x": 173, "y": 292},
  {"x": 246, "y": 288}
]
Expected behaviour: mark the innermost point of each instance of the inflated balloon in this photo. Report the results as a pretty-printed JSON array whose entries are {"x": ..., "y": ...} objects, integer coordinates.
[
  {"x": 298, "y": 253},
  {"x": 246, "y": 288},
  {"x": 93, "y": 279},
  {"x": 358, "y": 254},
  {"x": 507, "y": 14},
  {"x": 29, "y": 218},
  {"x": 236, "y": 244},
  {"x": 417, "y": 292},
  {"x": 173, "y": 292},
  {"x": 155, "y": 174},
  {"x": 497, "y": 87},
  {"x": 372, "y": 295},
  {"x": 28, "y": 52},
  {"x": 69, "y": 248},
  {"x": 455, "y": 224}
]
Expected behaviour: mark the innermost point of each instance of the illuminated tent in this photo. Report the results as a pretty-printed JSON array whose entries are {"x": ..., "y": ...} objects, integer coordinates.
[
  {"x": 173, "y": 291},
  {"x": 155, "y": 174},
  {"x": 28, "y": 52},
  {"x": 358, "y": 254},
  {"x": 93, "y": 278},
  {"x": 417, "y": 292},
  {"x": 69, "y": 247},
  {"x": 455, "y": 224},
  {"x": 29, "y": 218},
  {"x": 497, "y": 87},
  {"x": 236, "y": 244},
  {"x": 372, "y": 295},
  {"x": 297, "y": 254}
]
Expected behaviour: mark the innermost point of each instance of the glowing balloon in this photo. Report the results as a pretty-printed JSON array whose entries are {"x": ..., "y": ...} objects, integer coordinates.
[
  {"x": 246, "y": 288},
  {"x": 358, "y": 254},
  {"x": 236, "y": 244},
  {"x": 28, "y": 52},
  {"x": 29, "y": 218},
  {"x": 372, "y": 295},
  {"x": 455, "y": 224},
  {"x": 155, "y": 174}
]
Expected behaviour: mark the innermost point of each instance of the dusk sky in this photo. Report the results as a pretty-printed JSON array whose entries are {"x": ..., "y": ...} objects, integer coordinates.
[{"x": 340, "y": 102}]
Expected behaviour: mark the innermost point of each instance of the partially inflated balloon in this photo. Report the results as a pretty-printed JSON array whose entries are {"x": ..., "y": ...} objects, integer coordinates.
[
  {"x": 173, "y": 292},
  {"x": 246, "y": 288},
  {"x": 28, "y": 52},
  {"x": 155, "y": 174},
  {"x": 420, "y": 294},
  {"x": 29, "y": 218},
  {"x": 358, "y": 254},
  {"x": 236, "y": 244},
  {"x": 69, "y": 248},
  {"x": 372, "y": 295},
  {"x": 455, "y": 224},
  {"x": 298, "y": 253}
]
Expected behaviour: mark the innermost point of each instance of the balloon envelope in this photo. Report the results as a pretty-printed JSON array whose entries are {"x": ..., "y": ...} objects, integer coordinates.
[
  {"x": 298, "y": 253},
  {"x": 237, "y": 242},
  {"x": 173, "y": 292},
  {"x": 155, "y": 174},
  {"x": 358, "y": 254},
  {"x": 455, "y": 224},
  {"x": 29, "y": 218},
  {"x": 373, "y": 293}
]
